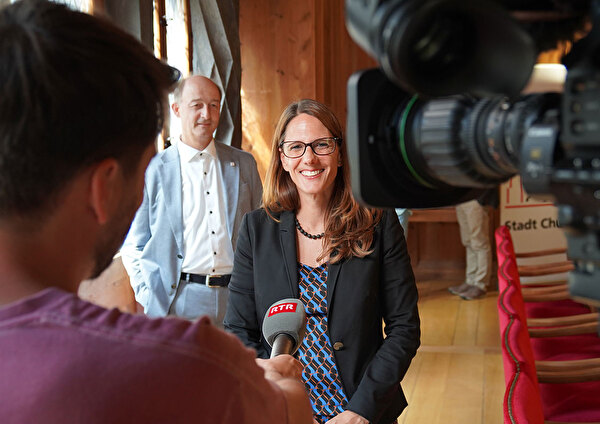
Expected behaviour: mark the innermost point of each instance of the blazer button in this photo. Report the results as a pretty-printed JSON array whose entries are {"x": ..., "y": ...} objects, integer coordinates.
[{"x": 338, "y": 346}]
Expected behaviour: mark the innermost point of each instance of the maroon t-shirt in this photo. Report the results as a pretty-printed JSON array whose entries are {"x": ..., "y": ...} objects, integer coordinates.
[{"x": 65, "y": 360}]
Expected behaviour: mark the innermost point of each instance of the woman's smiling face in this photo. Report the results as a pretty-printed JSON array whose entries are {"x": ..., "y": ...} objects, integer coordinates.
[{"x": 314, "y": 175}]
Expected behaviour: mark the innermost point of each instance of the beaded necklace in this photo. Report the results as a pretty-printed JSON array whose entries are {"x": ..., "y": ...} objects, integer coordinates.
[{"x": 305, "y": 234}]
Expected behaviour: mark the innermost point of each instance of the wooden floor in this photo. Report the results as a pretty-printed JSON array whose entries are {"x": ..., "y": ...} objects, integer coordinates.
[{"x": 457, "y": 375}]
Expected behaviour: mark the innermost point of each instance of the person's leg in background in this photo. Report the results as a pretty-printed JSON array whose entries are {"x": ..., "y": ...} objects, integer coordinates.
[
  {"x": 474, "y": 226},
  {"x": 481, "y": 250},
  {"x": 463, "y": 226}
]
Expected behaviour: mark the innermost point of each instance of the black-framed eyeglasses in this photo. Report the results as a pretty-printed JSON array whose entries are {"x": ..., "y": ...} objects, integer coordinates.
[{"x": 321, "y": 146}]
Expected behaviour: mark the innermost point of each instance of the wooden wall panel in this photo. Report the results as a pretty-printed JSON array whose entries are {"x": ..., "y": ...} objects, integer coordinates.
[
  {"x": 337, "y": 56},
  {"x": 278, "y": 56},
  {"x": 436, "y": 251}
]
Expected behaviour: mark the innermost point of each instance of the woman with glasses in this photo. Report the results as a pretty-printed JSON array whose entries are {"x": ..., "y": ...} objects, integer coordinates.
[{"x": 348, "y": 264}]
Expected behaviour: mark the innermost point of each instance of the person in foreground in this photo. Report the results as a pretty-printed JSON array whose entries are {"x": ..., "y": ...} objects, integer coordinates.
[
  {"x": 81, "y": 104},
  {"x": 348, "y": 264}
]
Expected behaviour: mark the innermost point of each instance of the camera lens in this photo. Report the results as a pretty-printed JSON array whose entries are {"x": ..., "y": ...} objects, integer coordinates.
[
  {"x": 443, "y": 47},
  {"x": 463, "y": 141},
  {"x": 410, "y": 151}
]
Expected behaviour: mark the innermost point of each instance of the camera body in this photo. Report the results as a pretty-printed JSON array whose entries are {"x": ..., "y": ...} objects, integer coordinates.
[{"x": 438, "y": 124}]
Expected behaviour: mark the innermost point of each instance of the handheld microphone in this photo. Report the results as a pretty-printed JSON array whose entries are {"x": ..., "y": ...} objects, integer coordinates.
[{"x": 284, "y": 326}]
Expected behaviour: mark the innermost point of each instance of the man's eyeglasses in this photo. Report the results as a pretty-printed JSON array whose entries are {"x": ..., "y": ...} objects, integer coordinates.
[{"x": 321, "y": 146}]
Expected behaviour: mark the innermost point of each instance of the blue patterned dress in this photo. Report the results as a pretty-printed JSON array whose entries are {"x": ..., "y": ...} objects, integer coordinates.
[{"x": 320, "y": 375}]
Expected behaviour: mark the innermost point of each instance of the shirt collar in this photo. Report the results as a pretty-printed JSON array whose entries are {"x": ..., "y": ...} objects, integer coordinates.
[{"x": 188, "y": 153}]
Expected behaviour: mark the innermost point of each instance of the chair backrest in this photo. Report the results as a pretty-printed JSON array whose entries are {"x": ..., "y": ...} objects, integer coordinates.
[
  {"x": 508, "y": 275},
  {"x": 526, "y": 400},
  {"x": 544, "y": 266},
  {"x": 517, "y": 353},
  {"x": 522, "y": 401}
]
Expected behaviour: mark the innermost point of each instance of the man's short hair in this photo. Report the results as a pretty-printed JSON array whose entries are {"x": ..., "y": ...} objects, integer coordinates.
[
  {"x": 74, "y": 90},
  {"x": 178, "y": 91}
]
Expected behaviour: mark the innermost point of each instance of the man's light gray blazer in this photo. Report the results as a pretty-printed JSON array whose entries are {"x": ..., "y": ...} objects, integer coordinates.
[{"x": 153, "y": 250}]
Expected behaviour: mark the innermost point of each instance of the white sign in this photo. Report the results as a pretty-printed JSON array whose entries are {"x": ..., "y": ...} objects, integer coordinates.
[{"x": 533, "y": 224}]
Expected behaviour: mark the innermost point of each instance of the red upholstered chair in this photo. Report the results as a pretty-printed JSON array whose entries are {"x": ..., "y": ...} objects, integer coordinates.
[
  {"x": 522, "y": 398},
  {"x": 567, "y": 399},
  {"x": 522, "y": 401},
  {"x": 549, "y": 301},
  {"x": 573, "y": 318},
  {"x": 508, "y": 277},
  {"x": 546, "y": 266},
  {"x": 517, "y": 354},
  {"x": 546, "y": 288},
  {"x": 560, "y": 373},
  {"x": 571, "y": 403}
]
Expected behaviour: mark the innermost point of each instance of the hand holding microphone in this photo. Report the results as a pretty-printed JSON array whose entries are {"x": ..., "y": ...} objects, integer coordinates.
[
  {"x": 282, "y": 366},
  {"x": 284, "y": 326}
]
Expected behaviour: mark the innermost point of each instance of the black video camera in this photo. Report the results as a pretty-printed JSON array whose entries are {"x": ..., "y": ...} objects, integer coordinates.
[{"x": 443, "y": 120}]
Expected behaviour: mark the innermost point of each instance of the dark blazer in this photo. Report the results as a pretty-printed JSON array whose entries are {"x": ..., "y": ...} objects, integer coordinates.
[{"x": 360, "y": 292}]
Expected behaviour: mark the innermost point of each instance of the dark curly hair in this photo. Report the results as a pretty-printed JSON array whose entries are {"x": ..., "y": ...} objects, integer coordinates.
[{"x": 74, "y": 90}]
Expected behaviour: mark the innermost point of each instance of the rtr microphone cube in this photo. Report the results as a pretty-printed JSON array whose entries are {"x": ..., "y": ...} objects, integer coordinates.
[{"x": 285, "y": 317}]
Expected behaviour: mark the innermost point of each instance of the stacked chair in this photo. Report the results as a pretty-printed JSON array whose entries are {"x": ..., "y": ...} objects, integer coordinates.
[{"x": 550, "y": 344}]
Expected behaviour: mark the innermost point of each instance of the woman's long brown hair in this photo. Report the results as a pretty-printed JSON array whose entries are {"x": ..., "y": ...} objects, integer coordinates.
[{"x": 348, "y": 226}]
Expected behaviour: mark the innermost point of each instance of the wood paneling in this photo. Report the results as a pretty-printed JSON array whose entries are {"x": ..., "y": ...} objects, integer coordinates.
[
  {"x": 435, "y": 250},
  {"x": 278, "y": 56},
  {"x": 160, "y": 30},
  {"x": 337, "y": 56},
  {"x": 434, "y": 215}
]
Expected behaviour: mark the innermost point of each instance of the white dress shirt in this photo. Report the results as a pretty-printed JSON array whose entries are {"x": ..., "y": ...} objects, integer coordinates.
[{"x": 206, "y": 239}]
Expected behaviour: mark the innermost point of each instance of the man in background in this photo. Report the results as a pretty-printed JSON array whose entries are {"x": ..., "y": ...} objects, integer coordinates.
[
  {"x": 179, "y": 252},
  {"x": 81, "y": 104}
]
